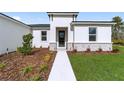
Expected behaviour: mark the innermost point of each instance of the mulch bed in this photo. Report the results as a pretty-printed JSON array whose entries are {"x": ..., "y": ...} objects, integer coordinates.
[{"x": 15, "y": 62}]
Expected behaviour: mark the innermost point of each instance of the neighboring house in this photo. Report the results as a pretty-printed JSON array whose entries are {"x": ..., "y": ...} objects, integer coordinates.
[
  {"x": 11, "y": 32},
  {"x": 63, "y": 32}
]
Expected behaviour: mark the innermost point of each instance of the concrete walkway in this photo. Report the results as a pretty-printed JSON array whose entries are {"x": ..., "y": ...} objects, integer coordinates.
[{"x": 61, "y": 70}]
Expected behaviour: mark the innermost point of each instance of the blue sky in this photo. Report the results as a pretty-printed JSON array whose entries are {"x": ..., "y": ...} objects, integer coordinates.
[{"x": 42, "y": 17}]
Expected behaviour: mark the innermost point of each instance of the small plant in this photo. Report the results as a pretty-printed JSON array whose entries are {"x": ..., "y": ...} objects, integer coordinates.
[
  {"x": 26, "y": 70},
  {"x": 75, "y": 50},
  {"x": 100, "y": 50},
  {"x": 2, "y": 65},
  {"x": 88, "y": 50},
  {"x": 43, "y": 67},
  {"x": 40, "y": 46},
  {"x": 36, "y": 78},
  {"x": 46, "y": 57},
  {"x": 115, "y": 50},
  {"x": 51, "y": 52},
  {"x": 27, "y": 45}
]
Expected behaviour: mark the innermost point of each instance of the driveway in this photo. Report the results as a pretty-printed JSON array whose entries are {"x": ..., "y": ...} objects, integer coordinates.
[{"x": 61, "y": 70}]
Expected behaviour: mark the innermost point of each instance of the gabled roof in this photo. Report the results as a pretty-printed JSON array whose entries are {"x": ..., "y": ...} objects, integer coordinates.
[{"x": 12, "y": 19}]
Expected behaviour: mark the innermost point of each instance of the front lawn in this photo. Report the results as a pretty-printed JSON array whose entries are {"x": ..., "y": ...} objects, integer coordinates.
[
  {"x": 98, "y": 67},
  {"x": 35, "y": 66}
]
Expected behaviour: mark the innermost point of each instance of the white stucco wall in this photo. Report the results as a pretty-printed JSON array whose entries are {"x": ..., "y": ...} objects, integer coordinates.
[
  {"x": 59, "y": 21},
  {"x": 104, "y": 34},
  {"x": 82, "y": 34},
  {"x": 37, "y": 42},
  {"x": 11, "y": 34}
]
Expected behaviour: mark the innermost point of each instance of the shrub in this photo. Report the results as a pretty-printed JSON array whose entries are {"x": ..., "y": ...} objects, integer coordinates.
[
  {"x": 46, "y": 57},
  {"x": 118, "y": 41},
  {"x": 2, "y": 65},
  {"x": 100, "y": 50},
  {"x": 75, "y": 50},
  {"x": 27, "y": 45},
  {"x": 115, "y": 50},
  {"x": 36, "y": 78},
  {"x": 43, "y": 67},
  {"x": 117, "y": 35},
  {"x": 88, "y": 50},
  {"x": 26, "y": 70}
]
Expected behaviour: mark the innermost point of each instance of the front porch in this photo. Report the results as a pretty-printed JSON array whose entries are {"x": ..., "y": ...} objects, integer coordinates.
[{"x": 61, "y": 40}]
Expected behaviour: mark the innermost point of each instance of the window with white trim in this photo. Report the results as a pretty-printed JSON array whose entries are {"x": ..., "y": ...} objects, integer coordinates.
[
  {"x": 43, "y": 35},
  {"x": 92, "y": 34}
]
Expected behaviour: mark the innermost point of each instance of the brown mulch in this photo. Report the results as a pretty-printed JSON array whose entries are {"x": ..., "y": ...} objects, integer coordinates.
[{"x": 15, "y": 62}]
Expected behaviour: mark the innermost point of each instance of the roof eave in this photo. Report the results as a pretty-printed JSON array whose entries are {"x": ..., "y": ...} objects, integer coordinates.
[
  {"x": 92, "y": 23},
  {"x": 62, "y": 13},
  {"x": 14, "y": 20}
]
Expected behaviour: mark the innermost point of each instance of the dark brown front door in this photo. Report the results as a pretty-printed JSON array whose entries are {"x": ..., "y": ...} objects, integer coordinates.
[{"x": 61, "y": 38}]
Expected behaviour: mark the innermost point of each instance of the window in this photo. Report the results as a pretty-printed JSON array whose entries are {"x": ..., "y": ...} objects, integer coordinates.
[
  {"x": 92, "y": 34},
  {"x": 44, "y": 35}
]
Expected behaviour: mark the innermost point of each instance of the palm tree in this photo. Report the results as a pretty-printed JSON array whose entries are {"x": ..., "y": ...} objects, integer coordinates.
[{"x": 118, "y": 21}]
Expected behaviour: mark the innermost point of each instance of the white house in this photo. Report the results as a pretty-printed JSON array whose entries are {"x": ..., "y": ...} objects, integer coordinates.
[
  {"x": 63, "y": 32},
  {"x": 11, "y": 32}
]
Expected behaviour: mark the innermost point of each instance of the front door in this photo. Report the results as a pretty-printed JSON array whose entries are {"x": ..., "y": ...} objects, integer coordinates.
[{"x": 61, "y": 39}]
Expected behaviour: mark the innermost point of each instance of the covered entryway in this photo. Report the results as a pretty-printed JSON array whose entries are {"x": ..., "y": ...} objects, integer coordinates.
[{"x": 61, "y": 37}]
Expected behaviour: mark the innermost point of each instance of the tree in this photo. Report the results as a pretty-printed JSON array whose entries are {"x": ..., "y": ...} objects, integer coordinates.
[
  {"x": 27, "y": 45},
  {"x": 118, "y": 21}
]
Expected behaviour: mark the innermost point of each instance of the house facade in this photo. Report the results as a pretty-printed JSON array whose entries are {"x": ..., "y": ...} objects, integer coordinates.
[{"x": 65, "y": 32}]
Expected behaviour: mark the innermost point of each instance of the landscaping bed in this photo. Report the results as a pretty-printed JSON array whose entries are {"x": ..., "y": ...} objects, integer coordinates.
[
  {"x": 35, "y": 66},
  {"x": 104, "y": 66}
]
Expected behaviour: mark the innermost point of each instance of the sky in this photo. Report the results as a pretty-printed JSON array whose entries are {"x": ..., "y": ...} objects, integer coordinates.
[{"x": 42, "y": 17}]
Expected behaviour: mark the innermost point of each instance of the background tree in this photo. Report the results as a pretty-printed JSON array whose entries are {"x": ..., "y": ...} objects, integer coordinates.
[
  {"x": 118, "y": 21},
  {"x": 117, "y": 34}
]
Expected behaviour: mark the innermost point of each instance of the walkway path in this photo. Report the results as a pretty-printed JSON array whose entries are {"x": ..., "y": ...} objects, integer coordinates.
[{"x": 61, "y": 70}]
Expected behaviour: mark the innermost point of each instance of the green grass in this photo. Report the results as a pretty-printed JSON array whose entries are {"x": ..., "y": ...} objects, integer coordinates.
[{"x": 97, "y": 67}]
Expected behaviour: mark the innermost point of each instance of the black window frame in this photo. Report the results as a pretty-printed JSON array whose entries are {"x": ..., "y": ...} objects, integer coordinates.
[
  {"x": 44, "y": 36},
  {"x": 92, "y": 34}
]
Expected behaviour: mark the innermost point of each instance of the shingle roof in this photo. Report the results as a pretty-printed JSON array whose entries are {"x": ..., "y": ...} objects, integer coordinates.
[
  {"x": 92, "y": 22},
  {"x": 40, "y": 26}
]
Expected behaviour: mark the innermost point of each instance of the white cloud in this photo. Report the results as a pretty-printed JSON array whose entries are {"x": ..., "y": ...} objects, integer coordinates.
[{"x": 17, "y": 18}]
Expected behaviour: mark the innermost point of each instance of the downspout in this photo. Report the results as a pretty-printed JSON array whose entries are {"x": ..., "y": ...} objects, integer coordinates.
[
  {"x": 31, "y": 31},
  {"x": 73, "y": 38},
  {"x": 72, "y": 28},
  {"x": 74, "y": 32}
]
